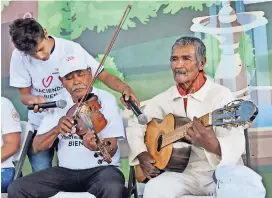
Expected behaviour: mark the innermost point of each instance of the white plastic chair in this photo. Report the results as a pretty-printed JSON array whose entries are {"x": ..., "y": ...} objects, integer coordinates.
[
  {"x": 192, "y": 196},
  {"x": 73, "y": 195},
  {"x": 26, "y": 141}
]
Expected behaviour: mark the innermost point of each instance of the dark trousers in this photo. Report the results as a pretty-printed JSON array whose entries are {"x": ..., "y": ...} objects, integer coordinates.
[{"x": 103, "y": 182}]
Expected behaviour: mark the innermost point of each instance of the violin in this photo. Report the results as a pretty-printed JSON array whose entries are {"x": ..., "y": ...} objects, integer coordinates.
[
  {"x": 89, "y": 112},
  {"x": 90, "y": 119},
  {"x": 86, "y": 113}
]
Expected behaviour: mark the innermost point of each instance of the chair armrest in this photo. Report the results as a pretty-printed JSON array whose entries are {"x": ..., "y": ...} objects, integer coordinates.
[{"x": 20, "y": 163}]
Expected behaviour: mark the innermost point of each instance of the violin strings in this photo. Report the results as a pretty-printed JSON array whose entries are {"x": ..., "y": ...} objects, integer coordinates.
[{"x": 83, "y": 117}]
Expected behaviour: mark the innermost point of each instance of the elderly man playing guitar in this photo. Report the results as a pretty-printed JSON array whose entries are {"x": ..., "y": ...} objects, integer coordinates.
[{"x": 191, "y": 154}]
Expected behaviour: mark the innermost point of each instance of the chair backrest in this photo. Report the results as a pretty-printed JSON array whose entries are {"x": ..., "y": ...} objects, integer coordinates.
[
  {"x": 26, "y": 128},
  {"x": 26, "y": 141}
]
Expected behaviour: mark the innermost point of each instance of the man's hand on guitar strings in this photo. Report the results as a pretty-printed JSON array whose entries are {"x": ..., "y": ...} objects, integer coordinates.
[
  {"x": 203, "y": 136},
  {"x": 148, "y": 169}
]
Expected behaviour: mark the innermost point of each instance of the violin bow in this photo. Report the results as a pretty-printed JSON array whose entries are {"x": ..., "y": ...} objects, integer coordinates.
[{"x": 127, "y": 10}]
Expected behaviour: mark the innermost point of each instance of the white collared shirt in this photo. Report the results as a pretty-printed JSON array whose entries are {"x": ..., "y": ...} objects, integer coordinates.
[
  {"x": 72, "y": 153},
  {"x": 209, "y": 97}
]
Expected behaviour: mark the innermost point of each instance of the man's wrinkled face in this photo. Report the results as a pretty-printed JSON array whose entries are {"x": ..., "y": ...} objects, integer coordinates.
[
  {"x": 184, "y": 64},
  {"x": 77, "y": 82}
]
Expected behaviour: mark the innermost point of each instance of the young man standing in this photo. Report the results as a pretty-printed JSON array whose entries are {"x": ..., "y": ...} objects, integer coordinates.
[{"x": 34, "y": 70}]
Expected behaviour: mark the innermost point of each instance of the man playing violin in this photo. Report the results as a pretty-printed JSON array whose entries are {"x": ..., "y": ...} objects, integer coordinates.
[
  {"x": 78, "y": 168},
  {"x": 193, "y": 96},
  {"x": 34, "y": 69}
]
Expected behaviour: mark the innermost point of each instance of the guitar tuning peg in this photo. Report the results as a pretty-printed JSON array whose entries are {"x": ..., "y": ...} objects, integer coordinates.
[
  {"x": 246, "y": 125},
  {"x": 227, "y": 126},
  {"x": 95, "y": 155},
  {"x": 100, "y": 161}
]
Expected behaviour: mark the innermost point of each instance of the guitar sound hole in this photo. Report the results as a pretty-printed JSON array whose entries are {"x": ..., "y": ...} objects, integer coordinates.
[{"x": 159, "y": 143}]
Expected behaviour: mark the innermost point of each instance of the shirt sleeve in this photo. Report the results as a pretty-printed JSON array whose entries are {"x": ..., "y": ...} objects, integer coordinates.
[
  {"x": 232, "y": 140},
  {"x": 92, "y": 63},
  {"x": 19, "y": 75},
  {"x": 135, "y": 132},
  {"x": 10, "y": 118},
  {"x": 112, "y": 113}
]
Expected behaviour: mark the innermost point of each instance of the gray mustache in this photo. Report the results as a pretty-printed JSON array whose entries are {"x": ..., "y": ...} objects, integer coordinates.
[
  {"x": 76, "y": 87},
  {"x": 180, "y": 71}
]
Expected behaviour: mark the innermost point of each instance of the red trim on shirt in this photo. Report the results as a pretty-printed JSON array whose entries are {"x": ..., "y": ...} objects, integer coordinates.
[{"x": 199, "y": 82}]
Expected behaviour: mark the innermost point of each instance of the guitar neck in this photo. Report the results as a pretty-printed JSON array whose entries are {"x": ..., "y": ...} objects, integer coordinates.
[{"x": 180, "y": 132}]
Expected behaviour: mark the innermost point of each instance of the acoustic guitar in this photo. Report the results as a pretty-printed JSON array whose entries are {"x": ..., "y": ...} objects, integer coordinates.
[{"x": 161, "y": 134}]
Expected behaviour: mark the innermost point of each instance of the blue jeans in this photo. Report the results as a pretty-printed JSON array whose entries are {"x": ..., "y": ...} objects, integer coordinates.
[
  {"x": 7, "y": 175},
  {"x": 41, "y": 160}
]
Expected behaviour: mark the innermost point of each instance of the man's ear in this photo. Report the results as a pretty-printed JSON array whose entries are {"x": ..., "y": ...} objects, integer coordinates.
[
  {"x": 45, "y": 34},
  {"x": 89, "y": 69},
  {"x": 202, "y": 63}
]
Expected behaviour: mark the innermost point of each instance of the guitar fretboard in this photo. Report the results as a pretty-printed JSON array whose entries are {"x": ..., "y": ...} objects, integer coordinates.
[{"x": 180, "y": 132}]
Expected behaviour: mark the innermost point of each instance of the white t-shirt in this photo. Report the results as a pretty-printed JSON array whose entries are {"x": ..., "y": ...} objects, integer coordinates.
[
  {"x": 10, "y": 123},
  {"x": 72, "y": 153},
  {"x": 43, "y": 76}
]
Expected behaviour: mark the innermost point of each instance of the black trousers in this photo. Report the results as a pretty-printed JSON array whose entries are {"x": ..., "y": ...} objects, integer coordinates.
[{"x": 103, "y": 182}]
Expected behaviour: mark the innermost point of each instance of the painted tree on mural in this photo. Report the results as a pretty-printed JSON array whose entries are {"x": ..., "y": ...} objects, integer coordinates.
[
  {"x": 109, "y": 67},
  {"x": 56, "y": 17},
  {"x": 68, "y": 19}
]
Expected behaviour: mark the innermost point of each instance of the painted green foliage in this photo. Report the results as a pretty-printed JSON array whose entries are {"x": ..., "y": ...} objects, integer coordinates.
[
  {"x": 4, "y": 3},
  {"x": 109, "y": 67},
  {"x": 55, "y": 16},
  {"x": 68, "y": 19}
]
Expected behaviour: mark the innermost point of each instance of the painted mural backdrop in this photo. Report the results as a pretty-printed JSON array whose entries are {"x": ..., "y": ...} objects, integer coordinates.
[{"x": 237, "y": 35}]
